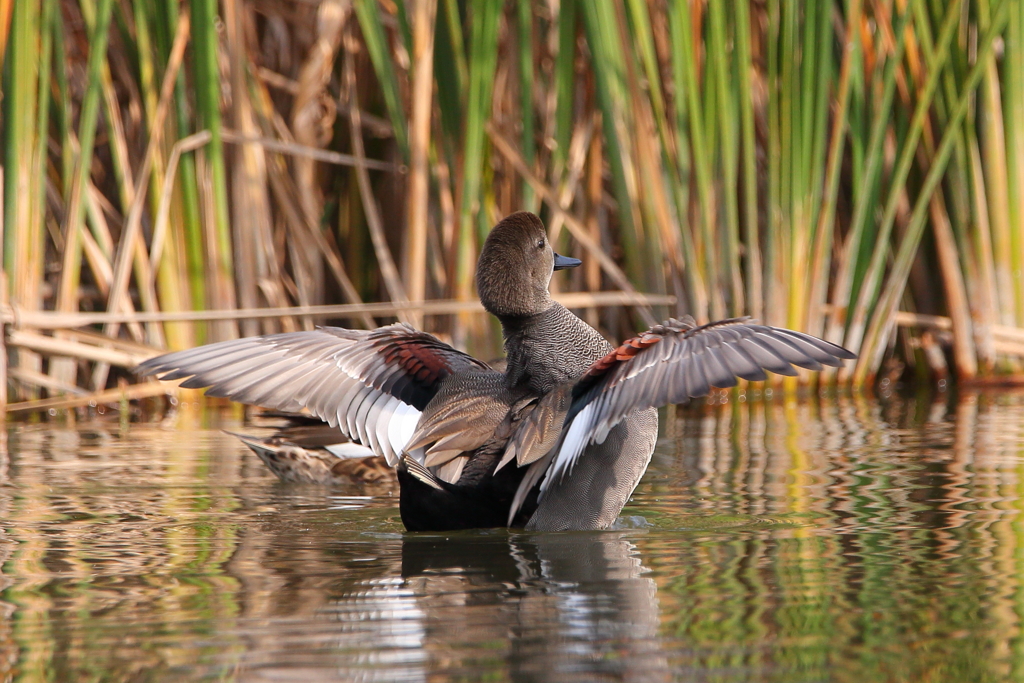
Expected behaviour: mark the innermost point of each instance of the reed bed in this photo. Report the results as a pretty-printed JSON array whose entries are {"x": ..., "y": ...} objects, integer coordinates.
[{"x": 854, "y": 169}]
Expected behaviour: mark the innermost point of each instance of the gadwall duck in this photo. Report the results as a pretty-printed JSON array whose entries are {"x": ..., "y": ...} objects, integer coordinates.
[
  {"x": 558, "y": 441},
  {"x": 306, "y": 450}
]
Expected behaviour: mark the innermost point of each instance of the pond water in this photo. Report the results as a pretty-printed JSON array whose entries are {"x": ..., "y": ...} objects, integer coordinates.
[{"x": 770, "y": 541}]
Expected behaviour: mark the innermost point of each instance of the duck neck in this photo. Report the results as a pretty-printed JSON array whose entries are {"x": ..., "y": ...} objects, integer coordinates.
[{"x": 548, "y": 348}]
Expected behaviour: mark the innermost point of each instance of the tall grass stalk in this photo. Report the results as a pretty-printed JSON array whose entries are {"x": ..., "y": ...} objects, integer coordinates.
[
  {"x": 62, "y": 369},
  {"x": 414, "y": 268},
  {"x": 25, "y": 144},
  {"x": 380, "y": 52},
  {"x": 220, "y": 283},
  {"x": 825, "y": 230},
  {"x": 1013, "y": 122},
  {"x": 481, "y": 65},
  {"x": 751, "y": 228}
]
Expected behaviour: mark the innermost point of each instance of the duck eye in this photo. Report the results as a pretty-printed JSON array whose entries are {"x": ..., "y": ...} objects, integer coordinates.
[{"x": 540, "y": 244}]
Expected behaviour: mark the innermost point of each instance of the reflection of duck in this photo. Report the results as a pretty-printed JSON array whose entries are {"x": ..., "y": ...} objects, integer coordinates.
[
  {"x": 575, "y": 414},
  {"x": 574, "y": 607}
]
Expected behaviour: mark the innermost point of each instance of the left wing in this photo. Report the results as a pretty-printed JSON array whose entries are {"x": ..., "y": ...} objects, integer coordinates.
[{"x": 371, "y": 384}]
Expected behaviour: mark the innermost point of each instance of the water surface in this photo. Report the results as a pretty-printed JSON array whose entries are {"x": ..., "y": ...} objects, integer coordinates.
[{"x": 833, "y": 541}]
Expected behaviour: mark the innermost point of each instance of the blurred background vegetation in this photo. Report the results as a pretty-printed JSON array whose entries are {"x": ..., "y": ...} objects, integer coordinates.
[{"x": 854, "y": 169}]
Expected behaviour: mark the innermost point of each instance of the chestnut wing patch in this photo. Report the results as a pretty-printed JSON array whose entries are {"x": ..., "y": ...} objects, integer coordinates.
[{"x": 423, "y": 361}]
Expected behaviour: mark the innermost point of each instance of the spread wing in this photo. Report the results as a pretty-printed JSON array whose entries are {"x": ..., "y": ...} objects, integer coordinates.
[
  {"x": 670, "y": 363},
  {"x": 676, "y": 361},
  {"x": 371, "y": 384}
]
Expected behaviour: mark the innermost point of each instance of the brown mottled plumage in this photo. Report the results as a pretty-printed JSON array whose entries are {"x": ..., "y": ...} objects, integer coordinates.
[{"x": 298, "y": 452}]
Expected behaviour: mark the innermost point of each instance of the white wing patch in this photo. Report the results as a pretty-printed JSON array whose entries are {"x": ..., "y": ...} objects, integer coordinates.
[
  {"x": 401, "y": 427},
  {"x": 349, "y": 450},
  {"x": 381, "y": 422},
  {"x": 577, "y": 437}
]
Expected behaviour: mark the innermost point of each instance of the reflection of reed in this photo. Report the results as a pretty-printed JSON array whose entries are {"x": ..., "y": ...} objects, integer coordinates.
[
  {"x": 108, "y": 529},
  {"x": 996, "y": 488},
  {"x": 8, "y": 643},
  {"x": 879, "y": 494}
]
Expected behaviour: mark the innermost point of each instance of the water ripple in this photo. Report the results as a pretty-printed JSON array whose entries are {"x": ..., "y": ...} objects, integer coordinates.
[{"x": 770, "y": 541}]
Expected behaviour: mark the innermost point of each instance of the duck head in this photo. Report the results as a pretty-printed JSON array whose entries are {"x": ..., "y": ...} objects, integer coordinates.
[{"x": 515, "y": 267}]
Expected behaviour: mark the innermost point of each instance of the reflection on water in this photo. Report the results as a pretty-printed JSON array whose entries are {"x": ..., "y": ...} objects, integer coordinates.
[{"x": 844, "y": 541}]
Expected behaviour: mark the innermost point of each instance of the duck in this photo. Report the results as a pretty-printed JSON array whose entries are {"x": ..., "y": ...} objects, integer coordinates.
[
  {"x": 306, "y": 450},
  {"x": 558, "y": 441}
]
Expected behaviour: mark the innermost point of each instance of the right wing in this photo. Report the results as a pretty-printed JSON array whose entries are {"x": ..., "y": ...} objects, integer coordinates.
[{"x": 371, "y": 384}]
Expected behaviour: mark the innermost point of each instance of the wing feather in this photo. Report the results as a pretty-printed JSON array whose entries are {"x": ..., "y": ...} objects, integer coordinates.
[
  {"x": 373, "y": 385},
  {"x": 766, "y": 357},
  {"x": 741, "y": 364},
  {"x": 788, "y": 351}
]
